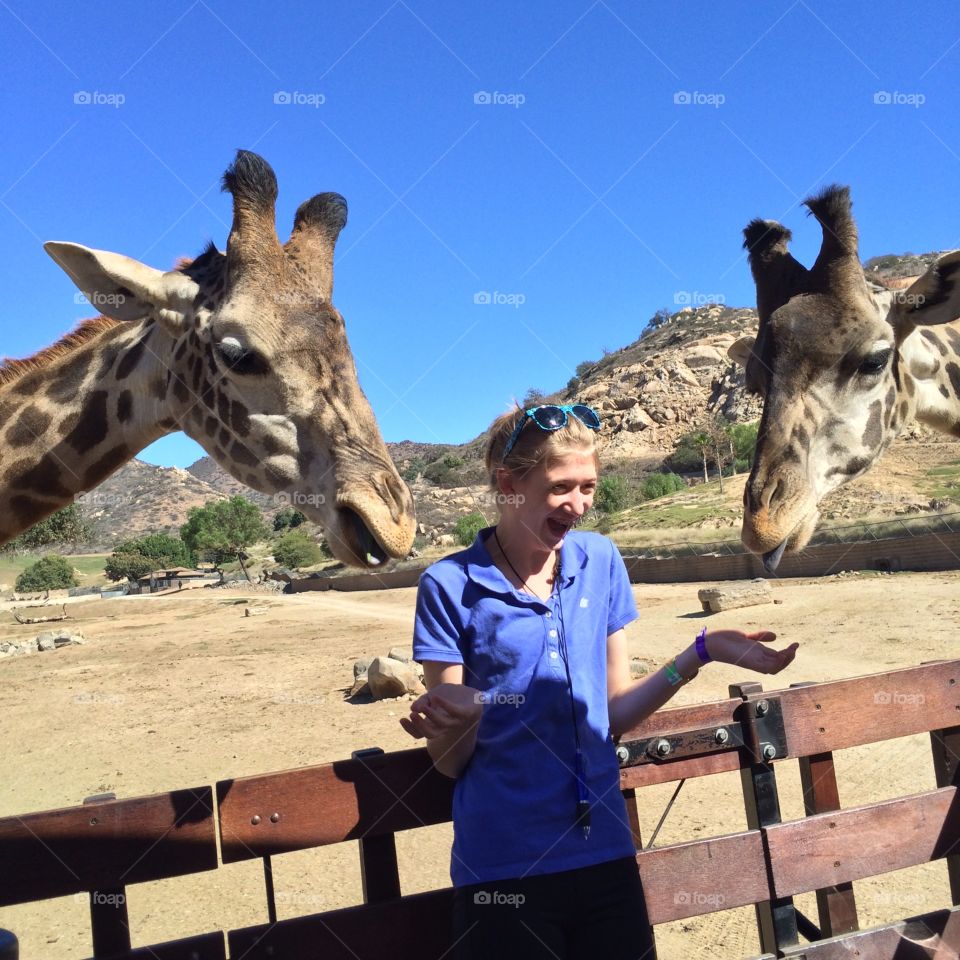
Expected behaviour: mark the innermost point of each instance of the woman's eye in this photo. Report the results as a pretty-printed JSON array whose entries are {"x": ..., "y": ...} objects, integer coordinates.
[{"x": 874, "y": 363}]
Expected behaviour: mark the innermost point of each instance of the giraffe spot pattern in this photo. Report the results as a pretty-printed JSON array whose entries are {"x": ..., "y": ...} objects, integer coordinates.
[
  {"x": 91, "y": 428},
  {"x": 131, "y": 358},
  {"x": 933, "y": 339},
  {"x": 873, "y": 433},
  {"x": 953, "y": 372},
  {"x": 124, "y": 406},
  {"x": 109, "y": 462},
  {"x": 29, "y": 426},
  {"x": 46, "y": 476}
]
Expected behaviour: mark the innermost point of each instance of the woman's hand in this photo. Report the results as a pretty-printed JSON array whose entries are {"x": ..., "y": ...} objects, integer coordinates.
[
  {"x": 749, "y": 650},
  {"x": 449, "y": 708}
]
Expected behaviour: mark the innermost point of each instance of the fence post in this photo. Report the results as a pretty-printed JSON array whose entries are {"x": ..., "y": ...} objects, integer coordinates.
[{"x": 109, "y": 923}]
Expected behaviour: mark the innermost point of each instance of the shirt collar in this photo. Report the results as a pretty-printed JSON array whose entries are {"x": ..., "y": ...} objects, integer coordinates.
[{"x": 483, "y": 571}]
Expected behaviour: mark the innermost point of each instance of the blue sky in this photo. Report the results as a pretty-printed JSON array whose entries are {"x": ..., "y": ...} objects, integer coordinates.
[{"x": 617, "y": 150}]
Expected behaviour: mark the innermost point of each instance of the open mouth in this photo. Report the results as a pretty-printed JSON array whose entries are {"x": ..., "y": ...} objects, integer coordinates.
[
  {"x": 364, "y": 544},
  {"x": 558, "y": 527}
]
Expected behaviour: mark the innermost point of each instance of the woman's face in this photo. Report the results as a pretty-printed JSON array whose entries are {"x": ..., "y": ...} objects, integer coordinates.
[{"x": 548, "y": 501}]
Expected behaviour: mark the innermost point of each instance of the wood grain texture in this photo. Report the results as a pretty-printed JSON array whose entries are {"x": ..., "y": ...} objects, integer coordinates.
[{"x": 107, "y": 845}]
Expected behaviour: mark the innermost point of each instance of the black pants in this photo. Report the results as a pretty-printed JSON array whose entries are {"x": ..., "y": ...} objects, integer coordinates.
[{"x": 584, "y": 914}]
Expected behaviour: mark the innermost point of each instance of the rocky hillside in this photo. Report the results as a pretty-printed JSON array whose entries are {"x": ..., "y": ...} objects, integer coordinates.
[{"x": 649, "y": 394}]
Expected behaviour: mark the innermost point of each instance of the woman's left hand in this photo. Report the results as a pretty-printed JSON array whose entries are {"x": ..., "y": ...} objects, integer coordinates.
[{"x": 749, "y": 650}]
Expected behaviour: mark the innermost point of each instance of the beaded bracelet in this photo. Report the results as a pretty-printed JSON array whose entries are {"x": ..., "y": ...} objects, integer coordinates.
[
  {"x": 701, "y": 646},
  {"x": 673, "y": 674}
]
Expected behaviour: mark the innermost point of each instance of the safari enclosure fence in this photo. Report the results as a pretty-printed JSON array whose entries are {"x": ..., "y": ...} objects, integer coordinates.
[{"x": 106, "y": 847}]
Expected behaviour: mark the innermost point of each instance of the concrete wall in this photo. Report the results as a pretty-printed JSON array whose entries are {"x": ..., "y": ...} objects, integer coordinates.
[{"x": 929, "y": 551}]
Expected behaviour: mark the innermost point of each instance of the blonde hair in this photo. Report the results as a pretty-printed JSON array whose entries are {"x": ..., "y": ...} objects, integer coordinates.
[{"x": 534, "y": 446}]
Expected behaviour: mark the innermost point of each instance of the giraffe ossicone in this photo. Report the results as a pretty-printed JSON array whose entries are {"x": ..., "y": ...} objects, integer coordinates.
[
  {"x": 842, "y": 365},
  {"x": 243, "y": 351}
]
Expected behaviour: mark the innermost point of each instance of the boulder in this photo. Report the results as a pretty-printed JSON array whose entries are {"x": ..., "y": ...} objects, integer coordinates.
[
  {"x": 46, "y": 642},
  {"x": 392, "y": 678},
  {"x": 66, "y": 638},
  {"x": 703, "y": 356},
  {"x": 636, "y": 419},
  {"x": 718, "y": 599},
  {"x": 403, "y": 654}
]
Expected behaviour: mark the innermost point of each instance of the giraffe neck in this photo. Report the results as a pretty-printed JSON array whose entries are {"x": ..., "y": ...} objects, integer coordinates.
[{"x": 76, "y": 414}]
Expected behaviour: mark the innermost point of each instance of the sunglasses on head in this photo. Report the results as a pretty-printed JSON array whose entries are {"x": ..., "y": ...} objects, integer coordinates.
[{"x": 550, "y": 417}]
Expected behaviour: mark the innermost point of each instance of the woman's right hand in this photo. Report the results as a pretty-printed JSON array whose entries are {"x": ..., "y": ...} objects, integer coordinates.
[{"x": 447, "y": 708}]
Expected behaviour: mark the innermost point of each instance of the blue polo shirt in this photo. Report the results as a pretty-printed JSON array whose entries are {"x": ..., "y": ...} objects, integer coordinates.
[{"x": 514, "y": 804}]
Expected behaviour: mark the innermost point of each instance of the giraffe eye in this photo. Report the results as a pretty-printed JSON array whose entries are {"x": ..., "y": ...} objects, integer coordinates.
[
  {"x": 874, "y": 363},
  {"x": 239, "y": 358}
]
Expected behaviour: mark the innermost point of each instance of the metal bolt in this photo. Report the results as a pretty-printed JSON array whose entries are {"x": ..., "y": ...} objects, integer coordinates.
[
  {"x": 769, "y": 751},
  {"x": 255, "y": 819},
  {"x": 762, "y": 707},
  {"x": 722, "y": 735},
  {"x": 623, "y": 754},
  {"x": 663, "y": 748},
  {"x": 274, "y": 817}
]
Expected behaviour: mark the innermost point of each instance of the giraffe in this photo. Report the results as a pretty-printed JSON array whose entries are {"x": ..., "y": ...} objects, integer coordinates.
[
  {"x": 242, "y": 350},
  {"x": 841, "y": 365}
]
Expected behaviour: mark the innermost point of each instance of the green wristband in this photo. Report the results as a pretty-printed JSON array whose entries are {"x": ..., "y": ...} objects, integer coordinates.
[{"x": 673, "y": 674}]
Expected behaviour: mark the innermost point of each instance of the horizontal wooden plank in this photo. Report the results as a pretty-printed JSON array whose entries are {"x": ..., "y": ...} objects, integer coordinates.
[
  {"x": 848, "y": 713},
  {"x": 107, "y": 845},
  {"x": 716, "y": 713},
  {"x": 933, "y": 935},
  {"x": 206, "y": 946},
  {"x": 685, "y": 768},
  {"x": 346, "y": 800},
  {"x": 418, "y": 927},
  {"x": 832, "y": 848},
  {"x": 703, "y": 876}
]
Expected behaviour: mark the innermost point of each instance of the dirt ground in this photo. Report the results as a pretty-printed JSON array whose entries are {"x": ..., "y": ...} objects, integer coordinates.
[{"x": 184, "y": 690}]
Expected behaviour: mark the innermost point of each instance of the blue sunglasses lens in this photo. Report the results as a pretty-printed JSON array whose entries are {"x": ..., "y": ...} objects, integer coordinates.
[
  {"x": 587, "y": 416},
  {"x": 549, "y": 417}
]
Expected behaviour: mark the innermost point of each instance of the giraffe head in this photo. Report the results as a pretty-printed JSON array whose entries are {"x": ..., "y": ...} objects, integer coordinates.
[
  {"x": 247, "y": 355},
  {"x": 831, "y": 361}
]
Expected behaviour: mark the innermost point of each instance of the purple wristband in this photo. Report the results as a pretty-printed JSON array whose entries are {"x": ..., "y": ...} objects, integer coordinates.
[{"x": 701, "y": 646}]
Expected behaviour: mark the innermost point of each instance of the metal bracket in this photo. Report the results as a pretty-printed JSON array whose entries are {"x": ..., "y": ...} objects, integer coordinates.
[{"x": 757, "y": 729}]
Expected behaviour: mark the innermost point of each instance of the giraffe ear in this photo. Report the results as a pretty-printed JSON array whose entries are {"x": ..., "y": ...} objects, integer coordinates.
[
  {"x": 123, "y": 288},
  {"x": 740, "y": 350},
  {"x": 933, "y": 299}
]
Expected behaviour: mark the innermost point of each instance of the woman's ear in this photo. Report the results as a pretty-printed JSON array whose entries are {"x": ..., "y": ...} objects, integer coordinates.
[{"x": 505, "y": 484}]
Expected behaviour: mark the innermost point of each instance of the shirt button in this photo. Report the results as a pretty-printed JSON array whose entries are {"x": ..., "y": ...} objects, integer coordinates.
[
  {"x": 553, "y": 633},
  {"x": 548, "y": 614},
  {"x": 553, "y": 654}
]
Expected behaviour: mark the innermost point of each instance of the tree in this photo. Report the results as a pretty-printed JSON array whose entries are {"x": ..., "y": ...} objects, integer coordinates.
[
  {"x": 66, "y": 526},
  {"x": 51, "y": 572},
  {"x": 612, "y": 494},
  {"x": 661, "y": 317},
  {"x": 466, "y": 528},
  {"x": 129, "y": 566},
  {"x": 703, "y": 441},
  {"x": 297, "y": 549},
  {"x": 286, "y": 518},
  {"x": 138, "y": 557},
  {"x": 533, "y": 398},
  {"x": 662, "y": 484},
  {"x": 221, "y": 529},
  {"x": 744, "y": 437}
]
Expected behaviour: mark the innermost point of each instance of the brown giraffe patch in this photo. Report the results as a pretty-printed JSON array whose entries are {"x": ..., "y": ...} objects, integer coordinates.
[
  {"x": 29, "y": 426},
  {"x": 26, "y": 508},
  {"x": 129, "y": 361},
  {"x": 933, "y": 339},
  {"x": 239, "y": 418},
  {"x": 92, "y": 427},
  {"x": 953, "y": 371},
  {"x": 124, "y": 406},
  {"x": 109, "y": 462},
  {"x": 240, "y": 454},
  {"x": 954, "y": 339},
  {"x": 46, "y": 476}
]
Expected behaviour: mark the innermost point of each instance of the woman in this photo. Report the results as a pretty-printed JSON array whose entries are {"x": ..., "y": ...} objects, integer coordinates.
[{"x": 525, "y": 662}]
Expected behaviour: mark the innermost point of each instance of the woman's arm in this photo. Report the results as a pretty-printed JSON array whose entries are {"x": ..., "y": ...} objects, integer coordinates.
[
  {"x": 448, "y": 715},
  {"x": 632, "y": 701}
]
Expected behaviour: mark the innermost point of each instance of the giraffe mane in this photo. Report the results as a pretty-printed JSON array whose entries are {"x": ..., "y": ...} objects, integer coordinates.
[{"x": 11, "y": 369}]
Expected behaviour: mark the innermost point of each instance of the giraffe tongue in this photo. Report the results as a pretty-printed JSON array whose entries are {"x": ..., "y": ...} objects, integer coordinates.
[
  {"x": 771, "y": 559},
  {"x": 371, "y": 551}
]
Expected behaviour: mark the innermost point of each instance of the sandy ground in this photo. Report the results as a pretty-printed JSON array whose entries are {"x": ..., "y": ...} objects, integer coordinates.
[{"x": 184, "y": 690}]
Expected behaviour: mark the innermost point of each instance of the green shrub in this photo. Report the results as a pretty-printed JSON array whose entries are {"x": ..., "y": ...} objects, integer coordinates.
[
  {"x": 296, "y": 549},
  {"x": 612, "y": 494},
  {"x": 414, "y": 467},
  {"x": 131, "y": 566},
  {"x": 51, "y": 572},
  {"x": 286, "y": 518},
  {"x": 467, "y": 528},
  {"x": 661, "y": 484}
]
